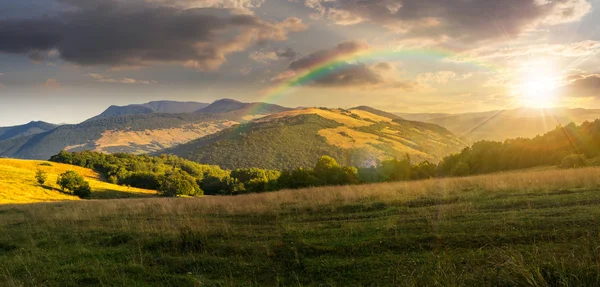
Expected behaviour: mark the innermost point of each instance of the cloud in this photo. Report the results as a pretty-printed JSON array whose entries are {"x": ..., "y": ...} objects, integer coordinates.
[
  {"x": 576, "y": 49},
  {"x": 52, "y": 84},
  {"x": 347, "y": 74},
  {"x": 240, "y": 6},
  {"x": 441, "y": 77},
  {"x": 582, "y": 86},
  {"x": 327, "y": 54},
  {"x": 263, "y": 57},
  {"x": 105, "y": 79},
  {"x": 287, "y": 53},
  {"x": 270, "y": 56},
  {"x": 136, "y": 33},
  {"x": 467, "y": 21}
]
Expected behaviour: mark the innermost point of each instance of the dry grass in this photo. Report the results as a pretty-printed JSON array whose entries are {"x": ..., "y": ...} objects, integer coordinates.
[
  {"x": 18, "y": 184},
  {"x": 335, "y": 115},
  {"x": 530, "y": 228},
  {"x": 331, "y": 197}
]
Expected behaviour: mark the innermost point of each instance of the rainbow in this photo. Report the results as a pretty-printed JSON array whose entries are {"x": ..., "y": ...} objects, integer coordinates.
[{"x": 330, "y": 65}]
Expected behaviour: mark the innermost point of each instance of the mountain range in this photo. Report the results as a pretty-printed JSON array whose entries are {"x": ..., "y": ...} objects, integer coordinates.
[
  {"x": 234, "y": 134},
  {"x": 504, "y": 124}
]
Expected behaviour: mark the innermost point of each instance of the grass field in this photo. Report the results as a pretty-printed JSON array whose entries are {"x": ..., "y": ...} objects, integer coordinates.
[
  {"x": 18, "y": 184},
  {"x": 535, "y": 228}
]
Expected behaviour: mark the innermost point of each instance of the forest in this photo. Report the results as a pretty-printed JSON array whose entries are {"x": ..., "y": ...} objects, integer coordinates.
[{"x": 567, "y": 147}]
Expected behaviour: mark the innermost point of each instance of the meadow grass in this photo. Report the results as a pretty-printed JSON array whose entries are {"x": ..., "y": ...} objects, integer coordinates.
[
  {"x": 18, "y": 183},
  {"x": 533, "y": 228}
]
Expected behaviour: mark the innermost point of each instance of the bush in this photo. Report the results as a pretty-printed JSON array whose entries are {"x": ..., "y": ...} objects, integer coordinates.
[
  {"x": 573, "y": 161},
  {"x": 41, "y": 176},
  {"x": 73, "y": 182}
]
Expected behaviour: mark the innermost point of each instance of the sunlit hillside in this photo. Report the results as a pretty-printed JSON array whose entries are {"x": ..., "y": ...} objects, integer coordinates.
[
  {"x": 18, "y": 184},
  {"x": 297, "y": 138}
]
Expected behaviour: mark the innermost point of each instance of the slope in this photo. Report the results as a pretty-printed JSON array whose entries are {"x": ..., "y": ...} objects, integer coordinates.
[
  {"x": 18, "y": 185},
  {"x": 169, "y": 107},
  {"x": 132, "y": 133},
  {"x": 32, "y": 128},
  {"x": 299, "y": 137},
  {"x": 503, "y": 124},
  {"x": 228, "y": 105}
]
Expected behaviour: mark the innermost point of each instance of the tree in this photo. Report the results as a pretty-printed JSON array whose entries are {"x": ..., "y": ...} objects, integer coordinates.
[
  {"x": 573, "y": 161},
  {"x": 73, "y": 182},
  {"x": 41, "y": 176},
  {"x": 178, "y": 183}
]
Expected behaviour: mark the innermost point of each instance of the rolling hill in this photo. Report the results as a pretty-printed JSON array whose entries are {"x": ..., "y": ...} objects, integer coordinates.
[
  {"x": 144, "y": 131},
  {"x": 297, "y": 138},
  {"x": 169, "y": 107},
  {"x": 18, "y": 185},
  {"x": 228, "y": 105},
  {"x": 32, "y": 128},
  {"x": 132, "y": 133},
  {"x": 503, "y": 124}
]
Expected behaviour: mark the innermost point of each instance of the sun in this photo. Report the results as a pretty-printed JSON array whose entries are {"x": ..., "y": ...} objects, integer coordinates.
[{"x": 538, "y": 83}]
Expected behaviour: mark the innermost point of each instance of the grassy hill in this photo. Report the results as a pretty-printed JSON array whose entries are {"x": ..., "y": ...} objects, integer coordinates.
[
  {"x": 513, "y": 229},
  {"x": 18, "y": 185},
  {"x": 503, "y": 124},
  {"x": 297, "y": 138}
]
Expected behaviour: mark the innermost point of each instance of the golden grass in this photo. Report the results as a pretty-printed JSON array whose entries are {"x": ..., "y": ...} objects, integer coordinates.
[
  {"x": 356, "y": 139},
  {"x": 18, "y": 184},
  {"x": 335, "y": 115},
  {"x": 374, "y": 117},
  {"x": 177, "y": 211},
  {"x": 158, "y": 138}
]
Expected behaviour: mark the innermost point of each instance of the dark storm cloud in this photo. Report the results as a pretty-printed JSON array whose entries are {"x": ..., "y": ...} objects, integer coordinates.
[
  {"x": 466, "y": 20},
  {"x": 135, "y": 33}
]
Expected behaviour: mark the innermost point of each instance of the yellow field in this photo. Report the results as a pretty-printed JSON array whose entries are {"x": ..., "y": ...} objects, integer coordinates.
[{"x": 18, "y": 184}]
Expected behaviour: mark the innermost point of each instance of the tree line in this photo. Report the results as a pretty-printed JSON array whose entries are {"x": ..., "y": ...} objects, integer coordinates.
[{"x": 567, "y": 147}]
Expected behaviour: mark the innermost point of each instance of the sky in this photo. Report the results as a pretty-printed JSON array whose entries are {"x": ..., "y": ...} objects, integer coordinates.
[{"x": 64, "y": 61}]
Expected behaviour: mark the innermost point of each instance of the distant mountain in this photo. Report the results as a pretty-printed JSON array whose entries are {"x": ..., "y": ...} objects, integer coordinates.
[
  {"x": 173, "y": 107},
  {"x": 170, "y": 107},
  {"x": 132, "y": 133},
  {"x": 377, "y": 112},
  {"x": 137, "y": 128},
  {"x": 297, "y": 138},
  {"x": 228, "y": 105},
  {"x": 504, "y": 124},
  {"x": 32, "y": 128}
]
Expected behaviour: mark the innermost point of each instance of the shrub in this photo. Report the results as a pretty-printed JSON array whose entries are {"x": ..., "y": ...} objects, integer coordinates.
[
  {"x": 573, "y": 161},
  {"x": 73, "y": 182},
  {"x": 41, "y": 176}
]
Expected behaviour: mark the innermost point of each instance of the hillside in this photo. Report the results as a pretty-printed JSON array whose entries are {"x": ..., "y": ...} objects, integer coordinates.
[
  {"x": 299, "y": 137},
  {"x": 512, "y": 229},
  {"x": 228, "y": 105},
  {"x": 133, "y": 133},
  {"x": 504, "y": 124},
  {"x": 168, "y": 107},
  {"x": 32, "y": 128},
  {"x": 18, "y": 185}
]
